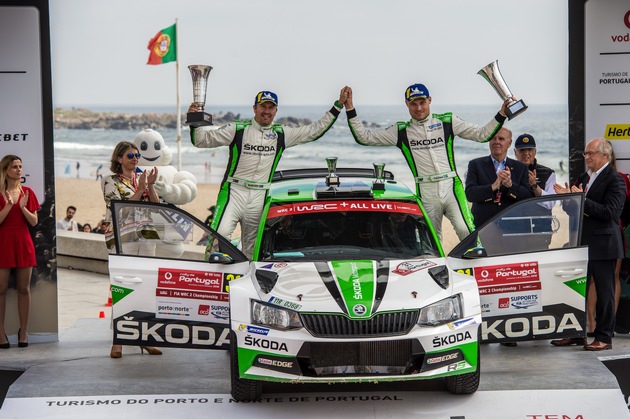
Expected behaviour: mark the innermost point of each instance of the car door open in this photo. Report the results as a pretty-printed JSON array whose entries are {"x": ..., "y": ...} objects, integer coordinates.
[
  {"x": 169, "y": 278},
  {"x": 530, "y": 269}
]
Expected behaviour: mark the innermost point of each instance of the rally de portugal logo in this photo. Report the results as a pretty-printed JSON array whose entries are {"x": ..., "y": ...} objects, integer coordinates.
[{"x": 162, "y": 45}]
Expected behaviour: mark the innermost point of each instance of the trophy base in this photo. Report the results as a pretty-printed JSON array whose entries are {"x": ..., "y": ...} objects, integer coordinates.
[
  {"x": 198, "y": 119},
  {"x": 515, "y": 109}
]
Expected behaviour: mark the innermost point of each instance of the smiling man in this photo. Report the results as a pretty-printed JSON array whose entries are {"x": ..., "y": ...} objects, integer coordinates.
[
  {"x": 256, "y": 146},
  {"x": 426, "y": 142}
]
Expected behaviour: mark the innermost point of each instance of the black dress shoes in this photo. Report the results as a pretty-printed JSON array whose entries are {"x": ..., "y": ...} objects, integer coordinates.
[
  {"x": 568, "y": 342},
  {"x": 598, "y": 346}
]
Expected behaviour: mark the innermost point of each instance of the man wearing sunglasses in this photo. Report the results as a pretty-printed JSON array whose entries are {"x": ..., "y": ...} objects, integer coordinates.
[{"x": 256, "y": 146}]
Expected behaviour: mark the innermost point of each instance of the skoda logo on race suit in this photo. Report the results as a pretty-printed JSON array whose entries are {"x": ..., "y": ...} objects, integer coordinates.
[
  {"x": 359, "y": 310},
  {"x": 427, "y": 142},
  {"x": 260, "y": 148}
]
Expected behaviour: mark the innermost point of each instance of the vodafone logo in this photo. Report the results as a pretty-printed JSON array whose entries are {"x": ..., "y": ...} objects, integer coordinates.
[
  {"x": 484, "y": 273},
  {"x": 626, "y": 19}
]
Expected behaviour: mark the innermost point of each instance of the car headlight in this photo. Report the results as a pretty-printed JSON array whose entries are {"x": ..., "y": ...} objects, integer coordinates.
[
  {"x": 444, "y": 311},
  {"x": 274, "y": 317}
]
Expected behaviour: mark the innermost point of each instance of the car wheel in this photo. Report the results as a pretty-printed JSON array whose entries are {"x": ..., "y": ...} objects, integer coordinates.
[
  {"x": 243, "y": 390},
  {"x": 465, "y": 383}
]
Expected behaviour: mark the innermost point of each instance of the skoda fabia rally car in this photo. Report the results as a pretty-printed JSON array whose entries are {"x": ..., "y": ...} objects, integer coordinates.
[{"x": 348, "y": 283}]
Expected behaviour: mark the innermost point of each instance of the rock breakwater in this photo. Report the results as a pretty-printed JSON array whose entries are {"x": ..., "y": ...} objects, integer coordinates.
[{"x": 80, "y": 118}]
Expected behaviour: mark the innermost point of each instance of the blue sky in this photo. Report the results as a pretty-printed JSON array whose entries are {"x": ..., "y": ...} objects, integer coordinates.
[{"x": 306, "y": 51}]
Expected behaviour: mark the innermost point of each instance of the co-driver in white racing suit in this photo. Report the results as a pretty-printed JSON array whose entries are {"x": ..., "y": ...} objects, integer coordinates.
[
  {"x": 256, "y": 146},
  {"x": 426, "y": 142}
]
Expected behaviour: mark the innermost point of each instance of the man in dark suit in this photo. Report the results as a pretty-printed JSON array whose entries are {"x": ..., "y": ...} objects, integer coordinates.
[
  {"x": 605, "y": 194},
  {"x": 495, "y": 182}
]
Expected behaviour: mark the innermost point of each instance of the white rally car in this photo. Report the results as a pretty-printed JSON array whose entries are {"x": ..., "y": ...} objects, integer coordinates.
[{"x": 348, "y": 283}]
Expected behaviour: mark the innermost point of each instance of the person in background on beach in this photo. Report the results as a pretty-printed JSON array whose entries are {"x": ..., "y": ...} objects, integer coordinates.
[
  {"x": 125, "y": 183},
  {"x": 605, "y": 193},
  {"x": 78, "y": 166},
  {"x": 256, "y": 146},
  {"x": 18, "y": 210},
  {"x": 99, "y": 176},
  {"x": 204, "y": 240},
  {"x": 426, "y": 142},
  {"x": 68, "y": 222},
  {"x": 542, "y": 180}
]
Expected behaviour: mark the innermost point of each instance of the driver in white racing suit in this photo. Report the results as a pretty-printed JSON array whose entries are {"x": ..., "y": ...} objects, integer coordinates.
[
  {"x": 426, "y": 142},
  {"x": 256, "y": 146}
]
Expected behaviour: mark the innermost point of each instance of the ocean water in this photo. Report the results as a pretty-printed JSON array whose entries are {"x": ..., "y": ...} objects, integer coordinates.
[{"x": 547, "y": 123}]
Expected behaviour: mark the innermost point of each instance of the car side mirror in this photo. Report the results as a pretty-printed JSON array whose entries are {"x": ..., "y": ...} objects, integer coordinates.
[
  {"x": 475, "y": 253},
  {"x": 218, "y": 257}
]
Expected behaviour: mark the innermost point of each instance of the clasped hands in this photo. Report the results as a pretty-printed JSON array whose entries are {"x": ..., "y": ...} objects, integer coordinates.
[
  {"x": 504, "y": 178},
  {"x": 147, "y": 178},
  {"x": 566, "y": 188},
  {"x": 22, "y": 202}
]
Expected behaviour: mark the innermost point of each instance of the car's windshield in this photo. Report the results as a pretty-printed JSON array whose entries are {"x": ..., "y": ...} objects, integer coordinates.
[{"x": 348, "y": 230}]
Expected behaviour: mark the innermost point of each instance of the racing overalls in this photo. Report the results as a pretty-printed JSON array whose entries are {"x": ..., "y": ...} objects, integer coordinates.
[
  {"x": 427, "y": 146},
  {"x": 254, "y": 154}
]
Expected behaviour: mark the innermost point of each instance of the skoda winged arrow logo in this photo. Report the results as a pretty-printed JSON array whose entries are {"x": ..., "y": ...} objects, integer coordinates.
[{"x": 359, "y": 310}]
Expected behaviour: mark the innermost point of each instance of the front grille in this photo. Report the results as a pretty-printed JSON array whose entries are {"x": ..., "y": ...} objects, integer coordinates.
[
  {"x": 339, "y": 326},
  {"x": 360, "y": 358}
]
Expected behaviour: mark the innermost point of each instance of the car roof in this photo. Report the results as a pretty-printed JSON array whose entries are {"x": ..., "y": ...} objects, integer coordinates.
[{"x": 310, "y": 185}]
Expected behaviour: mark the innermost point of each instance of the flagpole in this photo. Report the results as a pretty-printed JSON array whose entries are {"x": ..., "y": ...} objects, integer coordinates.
[{"x": 179, "y": 108}]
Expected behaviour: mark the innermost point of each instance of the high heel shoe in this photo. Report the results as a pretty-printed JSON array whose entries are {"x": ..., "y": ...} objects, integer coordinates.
[
  {"x": 150, "y": 350},
  {"x": 22, "y": 344},
  {"x": 5, "y": 345},
  {"x": 116, "y": 353}
]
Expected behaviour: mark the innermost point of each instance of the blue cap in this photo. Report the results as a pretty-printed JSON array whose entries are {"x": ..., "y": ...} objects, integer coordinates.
[
  {"x": 525, "y": 141},
  {"x": 265, "y": 96},
  {"x": 415, "y": 91}
]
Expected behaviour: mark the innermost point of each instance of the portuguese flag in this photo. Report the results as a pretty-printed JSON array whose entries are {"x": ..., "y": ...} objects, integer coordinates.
[{"x": 163, "y": 46}]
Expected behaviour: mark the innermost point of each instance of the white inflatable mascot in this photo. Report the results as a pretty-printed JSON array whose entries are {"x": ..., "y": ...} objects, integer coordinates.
[{"x": 173, "y": 186}]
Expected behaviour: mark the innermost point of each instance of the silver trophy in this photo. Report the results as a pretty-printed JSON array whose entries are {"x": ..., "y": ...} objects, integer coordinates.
[
  {"x": 492, "y": 74},
  {"x": 199, "y": 75},
  {"x": 332, "y": 179},
  {"x": 379, "y": 172}
]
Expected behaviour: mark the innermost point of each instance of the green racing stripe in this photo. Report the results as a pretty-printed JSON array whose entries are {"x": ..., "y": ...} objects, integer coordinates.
[{"x": 356, "y": 282}]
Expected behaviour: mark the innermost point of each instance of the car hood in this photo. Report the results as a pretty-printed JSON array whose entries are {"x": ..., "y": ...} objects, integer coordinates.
[{"x": 357, "y": 288}]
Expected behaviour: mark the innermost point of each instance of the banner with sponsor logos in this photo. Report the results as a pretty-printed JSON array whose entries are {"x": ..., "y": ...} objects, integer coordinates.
[
  {"x": 607, "y": 78},
  {"x": 26, "y": 131}
]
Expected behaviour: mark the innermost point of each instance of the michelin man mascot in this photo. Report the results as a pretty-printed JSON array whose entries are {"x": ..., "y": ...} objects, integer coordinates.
[{"x": 173, "y": 186}]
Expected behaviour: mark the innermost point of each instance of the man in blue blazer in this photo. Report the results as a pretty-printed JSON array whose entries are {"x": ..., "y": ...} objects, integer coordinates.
[
  {"x": 495, "y": 182},
  {"x": 605, "y": 195}
]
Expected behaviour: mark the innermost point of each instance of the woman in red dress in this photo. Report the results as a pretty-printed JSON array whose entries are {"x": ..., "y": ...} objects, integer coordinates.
[{"x": 18, "y": 209}]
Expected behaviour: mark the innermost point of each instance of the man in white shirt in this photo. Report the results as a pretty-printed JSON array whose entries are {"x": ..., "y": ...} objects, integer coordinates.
[{"x": 68, "y": 223}]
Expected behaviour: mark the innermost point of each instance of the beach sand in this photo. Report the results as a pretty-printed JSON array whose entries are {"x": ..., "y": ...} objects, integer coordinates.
[{"x": 87, "y": 197}]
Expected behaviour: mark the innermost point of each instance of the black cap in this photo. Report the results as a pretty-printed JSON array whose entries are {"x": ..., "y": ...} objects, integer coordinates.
[
  {"x": 525, "y": 141},
  {"x": 212, "y": 208}
]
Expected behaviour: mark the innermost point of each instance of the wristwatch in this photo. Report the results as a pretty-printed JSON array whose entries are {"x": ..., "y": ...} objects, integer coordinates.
[{"x": 534, "y": 187}]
